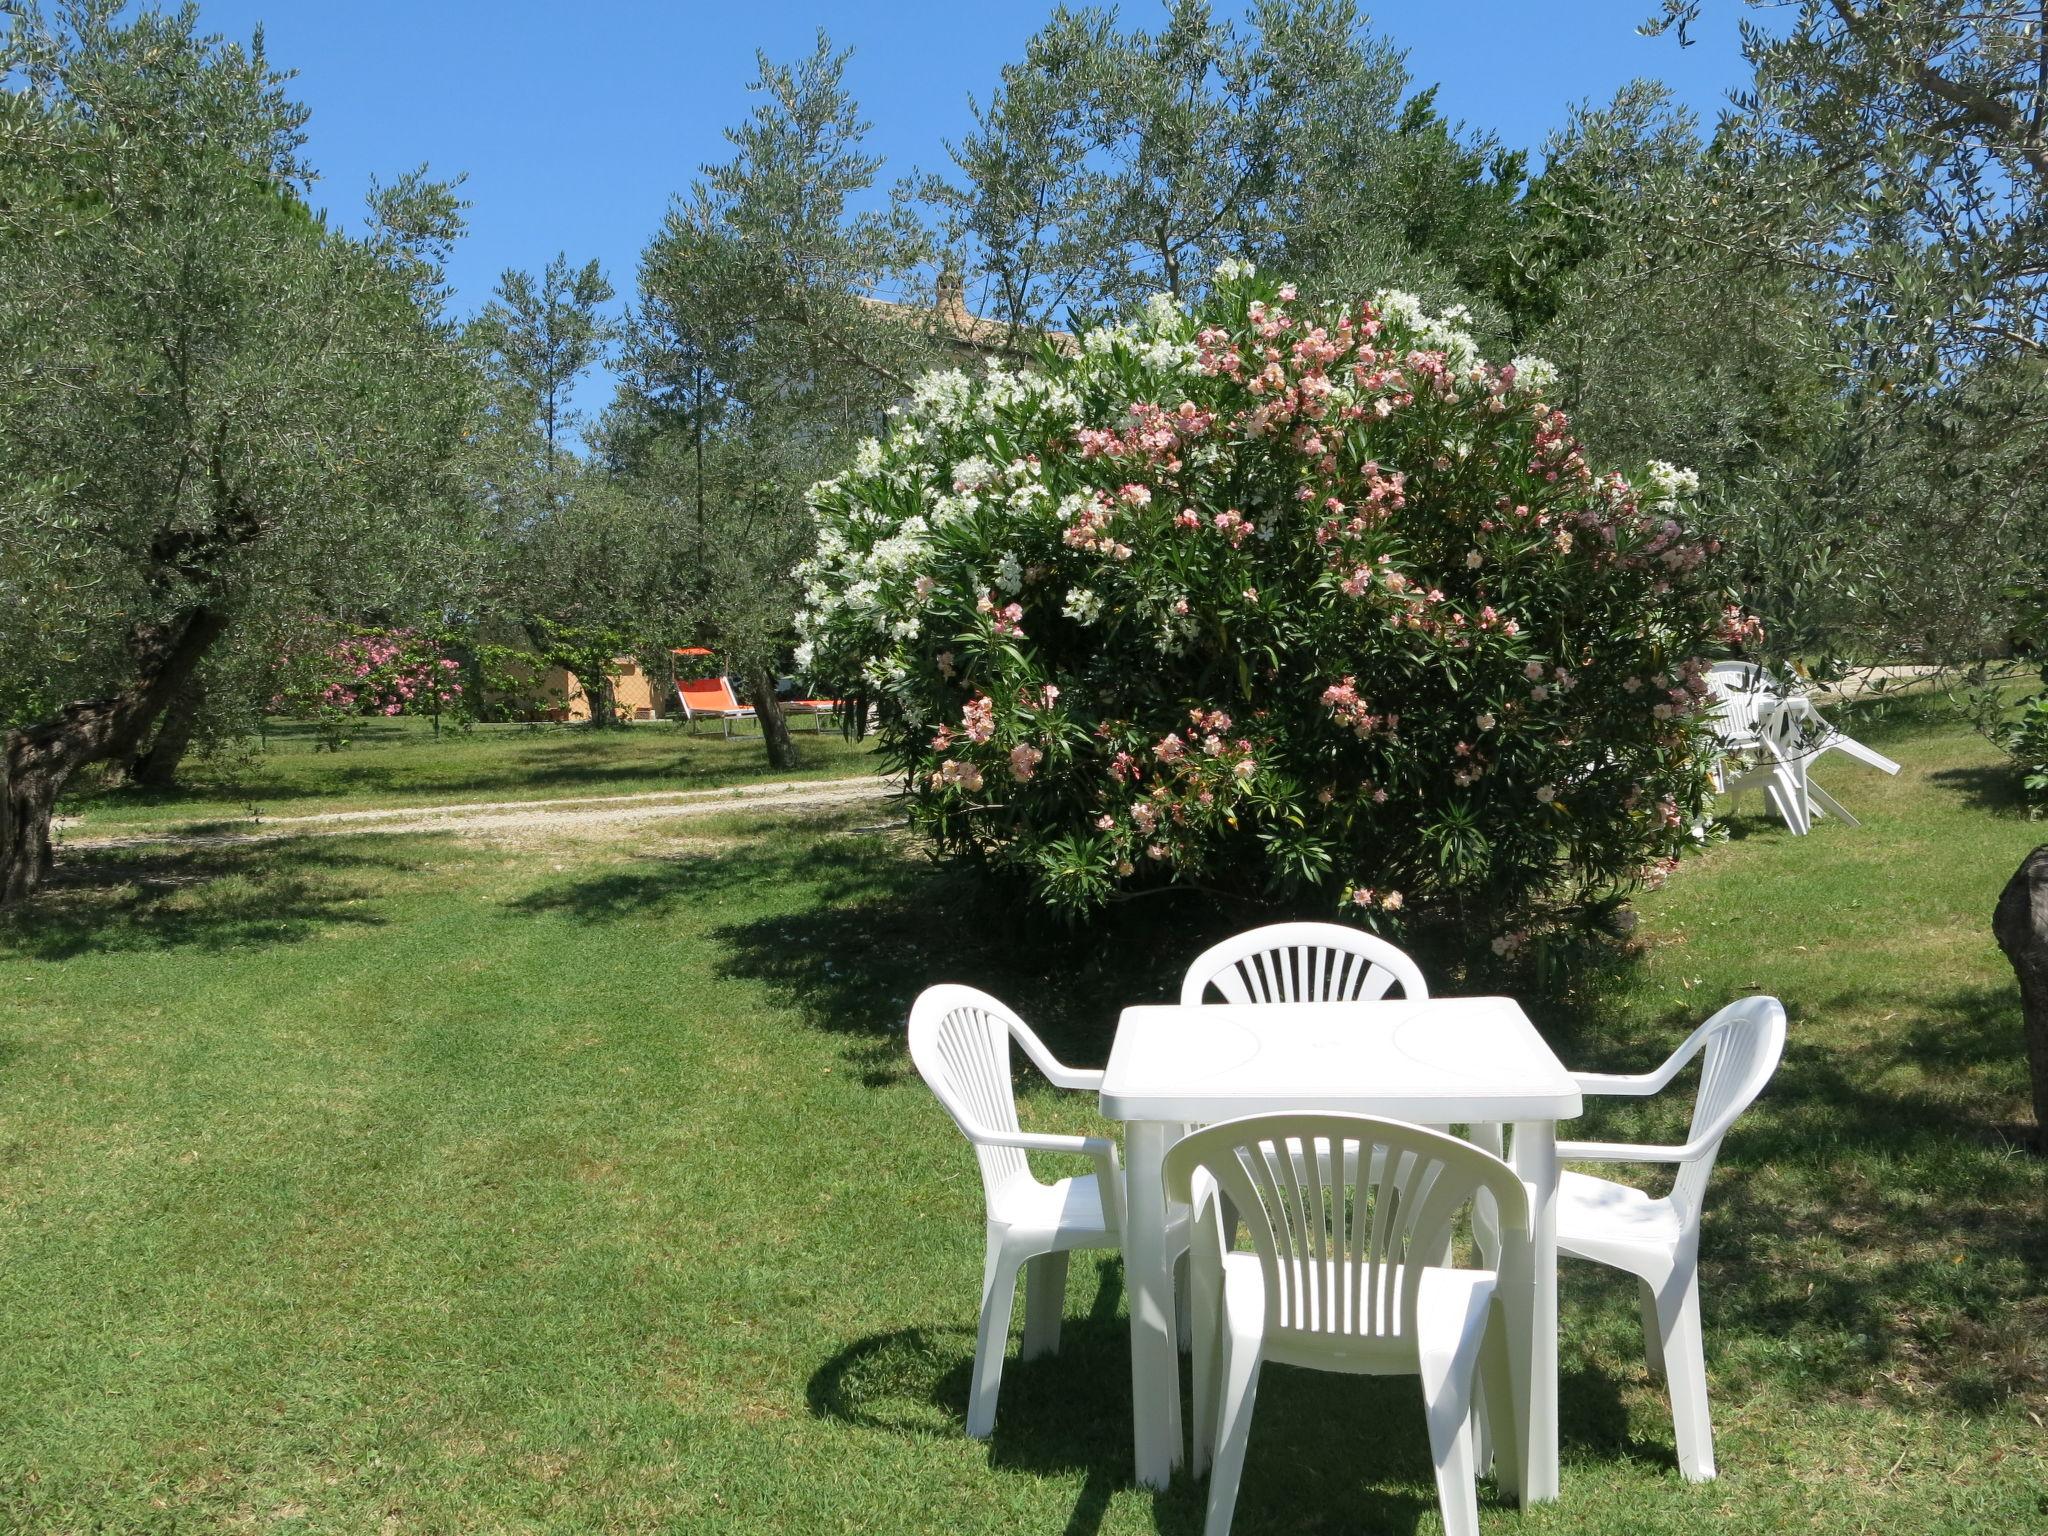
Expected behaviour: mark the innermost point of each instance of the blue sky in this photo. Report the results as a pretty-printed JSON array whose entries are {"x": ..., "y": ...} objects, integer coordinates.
[{"x": 576, "y": 123}]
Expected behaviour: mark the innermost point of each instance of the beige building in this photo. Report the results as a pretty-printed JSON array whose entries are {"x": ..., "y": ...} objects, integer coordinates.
[{"x": 639, "y": 695}]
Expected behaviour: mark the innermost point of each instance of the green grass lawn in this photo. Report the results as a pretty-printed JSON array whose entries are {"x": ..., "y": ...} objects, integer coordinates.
[
  {"x": 400, "y": 762},
  {"x": 424, "y": 1184}
]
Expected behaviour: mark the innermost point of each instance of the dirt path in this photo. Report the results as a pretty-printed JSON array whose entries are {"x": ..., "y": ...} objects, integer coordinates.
[{"x": 586, "y": 815}]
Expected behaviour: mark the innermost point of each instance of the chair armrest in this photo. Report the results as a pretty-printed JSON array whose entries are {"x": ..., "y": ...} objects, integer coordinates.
[
  {"x": 1641, "y": 1084},
  {"x": 1040, "y": 1141},
  {"x": 1633, "y": 1085},
  {"x": 1109, "y": 1177},
  {"x": 1624, "y": 1152},
  {"x": 1055, "y": 1071},
  {"x": 1088, "y": 1079}
]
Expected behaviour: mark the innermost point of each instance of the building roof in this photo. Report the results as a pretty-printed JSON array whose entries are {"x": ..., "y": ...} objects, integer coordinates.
[{"x": 968, "y": 333}]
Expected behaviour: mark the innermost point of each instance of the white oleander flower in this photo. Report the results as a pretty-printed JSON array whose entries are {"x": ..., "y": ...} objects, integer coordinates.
[
  {"x": 942, "y": 395},
  {"x": 1538, "y": 374},
  {"x": 1668, "y": 482},
  {"x": 1162, "y": 312},
  {"x": 1010, "y": 573},
  {"x": 1082, "y": 606},
  {"x": 972, "y": 474}
]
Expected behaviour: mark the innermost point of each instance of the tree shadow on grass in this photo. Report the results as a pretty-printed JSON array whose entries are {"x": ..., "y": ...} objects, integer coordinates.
[
  {"x": 863, "y": 925},
  {"x": 1328, "y": 1452},
  {"x": 520, "y": 766},
  {"x": 206, "y": 899},
  {"x": 1990, "y": 787},
  {"x": 1872, "y": 1224}
]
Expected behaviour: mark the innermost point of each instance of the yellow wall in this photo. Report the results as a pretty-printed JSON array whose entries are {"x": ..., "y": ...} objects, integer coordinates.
[{"x": 639, "y": 696}]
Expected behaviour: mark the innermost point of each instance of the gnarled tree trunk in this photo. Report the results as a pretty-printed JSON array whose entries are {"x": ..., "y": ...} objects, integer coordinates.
[
  {"x": 768, "y": 710},
  {"x": 41, "y": 757},
  {"x": 155, "y": 766},
  {"x": 2020, "y": 924}
]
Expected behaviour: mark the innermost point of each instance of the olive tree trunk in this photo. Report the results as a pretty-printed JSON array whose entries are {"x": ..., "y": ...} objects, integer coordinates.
[
  {"x": 156, "y": 765},
  {"x": 36, "y": 760},
  {"x": 2021, "y": 927},
  {"x": 768, "y": 710}
]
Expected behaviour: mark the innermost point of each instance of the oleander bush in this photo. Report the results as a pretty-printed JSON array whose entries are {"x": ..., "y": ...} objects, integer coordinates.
[{"x": 1308, "y": 605}]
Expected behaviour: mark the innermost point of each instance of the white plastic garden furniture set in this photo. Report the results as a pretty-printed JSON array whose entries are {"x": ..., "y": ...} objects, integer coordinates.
[
  {"x": 1769, "y": 739},
  {"x": 1310, "y": 1108}
]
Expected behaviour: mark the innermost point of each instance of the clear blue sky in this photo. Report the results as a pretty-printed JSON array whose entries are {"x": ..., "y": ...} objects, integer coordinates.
[{"x": 576, "y": 123}]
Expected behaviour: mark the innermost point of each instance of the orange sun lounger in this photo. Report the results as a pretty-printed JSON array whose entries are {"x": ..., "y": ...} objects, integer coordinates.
[{"x": 711, "y": 698}]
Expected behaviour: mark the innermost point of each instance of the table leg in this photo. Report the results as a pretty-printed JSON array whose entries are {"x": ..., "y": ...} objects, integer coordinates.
[
  {"x": 1535, "y": 1157},
  {"x": 1148, "y": 1277}
]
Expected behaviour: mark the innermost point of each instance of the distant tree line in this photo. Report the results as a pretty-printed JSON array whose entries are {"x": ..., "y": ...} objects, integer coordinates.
[{"x": 223, "y": 414}]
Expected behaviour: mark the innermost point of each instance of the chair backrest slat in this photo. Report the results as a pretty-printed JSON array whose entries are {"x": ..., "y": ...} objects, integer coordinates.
[
  {"x": 1302, "y": 963},
  {"x": 1744, "y": 1043},
  {"x": 1740, "y": 690},
  {"x": 1343, "y": 1209},
  {"x": 960, "y": 1044}
]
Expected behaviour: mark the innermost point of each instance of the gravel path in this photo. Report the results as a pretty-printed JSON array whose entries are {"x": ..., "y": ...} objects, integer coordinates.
[{"x": 591, "y": 814}]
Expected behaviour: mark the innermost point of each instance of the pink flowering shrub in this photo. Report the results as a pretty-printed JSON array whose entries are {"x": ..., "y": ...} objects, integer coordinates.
[
  {"x": 331, "y": 674},
  {"x": 1314, "y": 605}
]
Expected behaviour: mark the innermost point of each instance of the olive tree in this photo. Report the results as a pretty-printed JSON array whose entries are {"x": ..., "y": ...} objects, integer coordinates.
[
  {"x": 758, "y": 336},
  {"x": 212, "y": 400}
]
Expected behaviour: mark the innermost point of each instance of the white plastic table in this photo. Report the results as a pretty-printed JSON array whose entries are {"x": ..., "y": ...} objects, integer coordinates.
[{"x": 1436, "y": 1061}]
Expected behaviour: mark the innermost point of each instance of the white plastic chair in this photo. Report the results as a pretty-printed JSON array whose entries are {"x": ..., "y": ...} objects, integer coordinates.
[
  {"x": 1350, "y": 1272},
  {"x": 1782, "y": 735},
  {"x": 1658, "y": 1241},
  {"x": 1305, "y": 963},
  {"x": 960, "y": 1043},
  {"x": 1301, "y": 963},
  {"x": 1750, "y": 730}
]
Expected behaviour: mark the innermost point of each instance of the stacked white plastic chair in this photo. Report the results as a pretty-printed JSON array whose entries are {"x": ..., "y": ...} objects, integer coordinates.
[
  {"x": 960, "y": 1042},
  {"x": 1776, "y": 737},
  {"x": 1301, "y": 963},
  {"x": 1751, "y": 736},
  {"x": 1351, "y": 1222},
  {"x": 1658, "y": 1240}
]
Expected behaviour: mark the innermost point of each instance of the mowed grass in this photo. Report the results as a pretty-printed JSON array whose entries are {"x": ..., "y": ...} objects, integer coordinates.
[
  {"x": 400, "y": 762},
  {"x": 423, "y": 1185}
]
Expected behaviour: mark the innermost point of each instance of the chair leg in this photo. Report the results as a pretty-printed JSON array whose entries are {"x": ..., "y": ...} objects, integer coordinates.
[
  {"x": 1653, "y": 1331},
  {"x": 1204, "y": 1315},
  {"x": 1447, "y": 1405},
  {"x": 1239, "y": 1390},
  {"x": 1830, "y": 805},
  {"x": 1685, "y": 1366},
  {"x": 1045, "y": 1303},
  {"x": 1500, "y": 1416},
  {"x": 998, "y": 1294}
]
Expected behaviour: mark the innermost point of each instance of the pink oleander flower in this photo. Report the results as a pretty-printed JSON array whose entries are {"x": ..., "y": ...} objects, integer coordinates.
[
  {"x": 1024, "y": 761},
  {"x": 978, "y": 718},
  {"x": 954, "y": 774}
]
